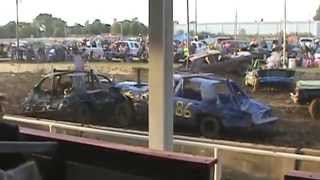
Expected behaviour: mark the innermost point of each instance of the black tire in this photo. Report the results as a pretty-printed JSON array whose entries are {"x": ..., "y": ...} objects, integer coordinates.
[
  {"x": 210, "y": 127},
  {"x": 123, "y": 115},
  {"x": 314, "y": 109}
]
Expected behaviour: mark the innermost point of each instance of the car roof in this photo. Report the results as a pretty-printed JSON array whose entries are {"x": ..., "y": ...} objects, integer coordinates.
[
  {"x": 63, "y": 72},
  {"x": 206, "y": 76},
  {"x": 128, "y": 42}
]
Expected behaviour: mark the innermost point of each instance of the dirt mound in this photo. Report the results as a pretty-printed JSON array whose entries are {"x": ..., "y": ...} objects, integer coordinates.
[{"x": 16, "y": 88}]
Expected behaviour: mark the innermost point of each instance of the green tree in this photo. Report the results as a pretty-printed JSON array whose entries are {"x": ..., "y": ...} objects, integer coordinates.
[
  {"x": 317, "y": 16},
  {"x": 97, "y": 27},
  {"x": 77, "y": 29},
  {"x": 242, "y": 32},
  {"x": 53, "y": 26},
  {"x": 129, "y": 28},
  {"x": 27, "y": 30},
  {"x": 8, "y": 30},
  {"x": 116, "y": 28}
]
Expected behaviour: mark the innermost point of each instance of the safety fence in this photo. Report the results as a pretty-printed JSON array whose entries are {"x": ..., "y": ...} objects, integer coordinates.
[{"x": 141, "y": 139}]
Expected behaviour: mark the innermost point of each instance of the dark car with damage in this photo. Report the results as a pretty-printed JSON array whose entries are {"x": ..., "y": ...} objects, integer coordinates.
[
  {"x": 259, "y": 78},
  {"x": 307, "y": 92},
  {"x": 209, "y": 104},
  {"x": 78, "y": 97}
]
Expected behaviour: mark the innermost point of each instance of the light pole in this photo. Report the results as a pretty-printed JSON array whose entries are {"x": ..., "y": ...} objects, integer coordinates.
[
  {"x": 188, "y": 32},
  {"x": 309, "y": 28},
  {"x": 285, "y": 33},
  {"x": 258, "y": 29},
  {"x": 17, "y": 29},
  {"x": 121, "y": 30},
  {"x": 236, "y": 25},
  {"x": 196, "y": 17}
]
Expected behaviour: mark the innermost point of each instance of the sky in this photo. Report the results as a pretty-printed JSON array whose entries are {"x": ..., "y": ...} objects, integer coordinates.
[{"x": 78, "y": 11}]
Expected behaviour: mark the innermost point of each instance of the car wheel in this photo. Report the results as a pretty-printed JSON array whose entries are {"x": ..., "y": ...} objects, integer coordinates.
[
  {"x": 210, "y": 127},
  {"x": 314, "y": 109},
  {"x": 123, "y": 114}
]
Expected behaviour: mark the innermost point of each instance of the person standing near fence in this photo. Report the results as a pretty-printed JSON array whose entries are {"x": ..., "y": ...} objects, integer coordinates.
[
  {"x": 78, "y": 61},
  {"x": 78, "y": 78}
]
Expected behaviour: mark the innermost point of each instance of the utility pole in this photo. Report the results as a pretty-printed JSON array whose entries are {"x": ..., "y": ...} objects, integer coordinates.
[
  {"x": 285, "y": 33},
  {"x": 188, "y": 32},
  {"x": 196, "y": 17},
  {"x": 17, "y": 29},
  {"x": 236, "y": 25},
  {"x": 309, "y": 28},
  {"x": 121, "y": 30}
]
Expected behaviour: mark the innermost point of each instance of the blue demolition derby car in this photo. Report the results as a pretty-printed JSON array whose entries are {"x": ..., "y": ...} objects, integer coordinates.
[
  {"x": 206, "y": 103},
  {"x": 270, "y": 78}
]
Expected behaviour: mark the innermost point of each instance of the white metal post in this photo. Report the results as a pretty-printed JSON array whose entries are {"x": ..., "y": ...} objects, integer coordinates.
[
  {"x": 160, "y": 74},
  {"x": 188, "y": 33},
  {"x": 196, "y": 17},
  {"x": 285, "y": 34},
  {"x": 17, "y": 29},
  {"x": 218, "y": 165},
  {"x": 236, "y": 25}
]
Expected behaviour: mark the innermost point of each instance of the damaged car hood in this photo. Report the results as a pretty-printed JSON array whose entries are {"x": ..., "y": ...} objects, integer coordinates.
[{"x": 260, "y": 113}]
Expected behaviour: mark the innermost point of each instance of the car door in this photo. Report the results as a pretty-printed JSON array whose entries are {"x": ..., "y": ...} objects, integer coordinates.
[
  {"x": 228, "y": 105},
  {"x": 187, "y": 102},
  {"x": 41, "y": 99},
  {"x": 102, "y": 99}
]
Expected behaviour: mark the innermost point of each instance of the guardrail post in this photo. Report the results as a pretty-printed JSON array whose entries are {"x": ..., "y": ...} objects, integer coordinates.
[
  {"x": 218, "y": 165},
  {"x": 50, "y": 128},
  {"x": 298, "y": 163}
]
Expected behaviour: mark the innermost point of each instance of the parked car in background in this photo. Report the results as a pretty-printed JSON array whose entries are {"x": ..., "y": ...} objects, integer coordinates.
[
  {"x": 94, "y": 50},
  {"x": 266, "y": 78},
  {"x": 317, "y": 55},
  {"x": 218, "y": 40},
  {"x": 307, "y": 41},
  {"x": 126, "y": 50},
  {"x": 198, "y": 47},
  {"x": 260, "y": 52},
  {"x": 56, "y": 53},
  {"x": 294, "y": 51},
  {"x": 307, "y": 92}
]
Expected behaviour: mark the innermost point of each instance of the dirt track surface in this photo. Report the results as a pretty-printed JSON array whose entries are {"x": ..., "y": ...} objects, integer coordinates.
[{"x": 295, "y": 129}]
